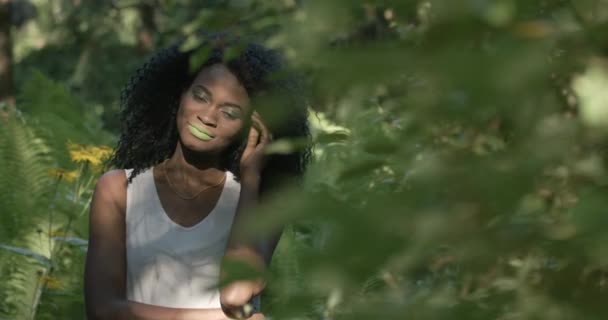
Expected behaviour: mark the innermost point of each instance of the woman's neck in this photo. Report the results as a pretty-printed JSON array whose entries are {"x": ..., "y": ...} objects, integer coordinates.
[{"x": 193, "y": 168}]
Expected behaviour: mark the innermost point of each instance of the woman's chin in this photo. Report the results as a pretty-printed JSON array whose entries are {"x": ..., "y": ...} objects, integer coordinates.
[{"x": 200, "y": 146}]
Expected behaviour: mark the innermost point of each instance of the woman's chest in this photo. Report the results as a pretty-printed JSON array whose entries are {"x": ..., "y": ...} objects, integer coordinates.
[
  {"x": 157, "y": 220},
  {"x": 188, "y": 213}
]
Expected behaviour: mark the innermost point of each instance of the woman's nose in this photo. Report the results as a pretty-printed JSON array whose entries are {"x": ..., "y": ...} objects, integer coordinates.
[{"x": 208, "y": 117}]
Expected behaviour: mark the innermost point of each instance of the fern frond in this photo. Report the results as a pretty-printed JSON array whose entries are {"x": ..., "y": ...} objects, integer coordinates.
[{"x": 24, "y": 181}]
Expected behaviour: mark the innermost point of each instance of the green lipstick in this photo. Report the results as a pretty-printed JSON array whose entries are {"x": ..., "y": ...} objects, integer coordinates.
[{"x": 200, "y": 132}]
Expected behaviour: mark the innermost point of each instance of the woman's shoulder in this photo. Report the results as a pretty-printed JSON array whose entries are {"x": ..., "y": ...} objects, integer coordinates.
[
  {"x": 108, "y": 206},
  {"x": 113, "y": 178},
  {"x": 111, "y": 186}
]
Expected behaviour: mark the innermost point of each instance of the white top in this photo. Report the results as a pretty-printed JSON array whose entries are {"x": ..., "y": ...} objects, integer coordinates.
[{"x": 170, "y": 265}]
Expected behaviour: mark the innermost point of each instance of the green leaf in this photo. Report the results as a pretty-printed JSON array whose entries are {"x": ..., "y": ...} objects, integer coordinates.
[{"x": 27, "y": 253}]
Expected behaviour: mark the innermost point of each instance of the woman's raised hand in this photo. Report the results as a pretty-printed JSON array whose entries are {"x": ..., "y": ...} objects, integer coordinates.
[
  {"x": 236, "y": 297},
  {"x": 253, "y": 158}
]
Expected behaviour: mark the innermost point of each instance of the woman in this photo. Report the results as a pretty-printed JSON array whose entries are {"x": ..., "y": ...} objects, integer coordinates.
[{"x": 192, "y": 154}]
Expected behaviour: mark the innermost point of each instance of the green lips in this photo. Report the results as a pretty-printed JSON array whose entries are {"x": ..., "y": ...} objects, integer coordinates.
[{"x": 200, "y": 132}]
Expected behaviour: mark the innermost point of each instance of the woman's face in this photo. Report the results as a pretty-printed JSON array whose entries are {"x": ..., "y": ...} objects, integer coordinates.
[{"x": 212, "y": 111}]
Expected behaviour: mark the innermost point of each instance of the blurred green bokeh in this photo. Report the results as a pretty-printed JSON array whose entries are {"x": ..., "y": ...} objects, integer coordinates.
[{"x": 459, "y": 168}]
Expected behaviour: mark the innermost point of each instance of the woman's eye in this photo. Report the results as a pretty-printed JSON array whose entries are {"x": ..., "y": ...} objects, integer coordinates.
[
  {"x": 200, "y": 96},
  {"x": 231, "y": 114}
]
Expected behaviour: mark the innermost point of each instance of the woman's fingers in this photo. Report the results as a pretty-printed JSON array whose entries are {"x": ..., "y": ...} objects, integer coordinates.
[
  {"x": 252, "y": 140},
  {"x": 237, "y": 299},
  {"x": 259, "y": 123}
]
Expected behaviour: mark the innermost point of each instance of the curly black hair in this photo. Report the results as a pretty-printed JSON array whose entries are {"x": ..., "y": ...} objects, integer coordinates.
[{"x": 150, "y": 100}]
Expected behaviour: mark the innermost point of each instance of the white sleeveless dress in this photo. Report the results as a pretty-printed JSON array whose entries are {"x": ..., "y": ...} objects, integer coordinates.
[{"x": 170, "y": 265}]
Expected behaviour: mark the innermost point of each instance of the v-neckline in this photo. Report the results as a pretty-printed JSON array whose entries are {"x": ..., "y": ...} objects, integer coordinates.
[{"x": 177, "y": 225}]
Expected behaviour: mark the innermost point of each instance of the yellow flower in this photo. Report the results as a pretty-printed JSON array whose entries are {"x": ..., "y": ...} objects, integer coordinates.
[
  {"x": 51, "y": 282},
  {"x": 63, "y": 174},
  {"x": 57, "y": 233},
  {"x": 94, "y": 155}
]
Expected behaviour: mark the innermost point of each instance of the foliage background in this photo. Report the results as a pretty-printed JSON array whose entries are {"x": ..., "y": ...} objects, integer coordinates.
[{"x": 459, "y": 167}]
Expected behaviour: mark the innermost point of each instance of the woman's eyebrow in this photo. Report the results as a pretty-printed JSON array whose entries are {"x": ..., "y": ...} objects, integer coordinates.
[
  {"x": 202, "y": 87},
  {"x": 230, "y": 104}
]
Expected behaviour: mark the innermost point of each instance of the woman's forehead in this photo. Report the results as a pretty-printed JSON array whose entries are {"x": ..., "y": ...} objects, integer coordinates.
[{"x": 218, "y": 77}]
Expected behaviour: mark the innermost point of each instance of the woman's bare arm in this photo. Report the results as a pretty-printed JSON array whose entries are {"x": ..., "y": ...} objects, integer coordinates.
[
  {"x": 235, "y": 295},
  {"x": 256, "y": 253},
  {"x": 105, "y": 270}
]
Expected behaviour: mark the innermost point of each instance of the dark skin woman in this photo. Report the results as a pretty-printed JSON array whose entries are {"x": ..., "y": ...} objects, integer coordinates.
[{"x": 195, "y": 132}]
